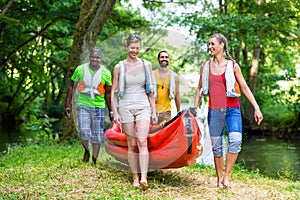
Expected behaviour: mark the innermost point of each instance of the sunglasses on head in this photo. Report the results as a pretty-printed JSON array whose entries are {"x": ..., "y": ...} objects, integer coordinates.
[{"x": 138, "y": 37}]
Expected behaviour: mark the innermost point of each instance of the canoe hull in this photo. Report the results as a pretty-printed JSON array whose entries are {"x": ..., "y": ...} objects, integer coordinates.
[{"x": 175, "y": 145}]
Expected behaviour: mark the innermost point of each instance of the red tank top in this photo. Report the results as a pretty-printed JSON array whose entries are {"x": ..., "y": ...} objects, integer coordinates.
[{"x": 217, "y": 93}]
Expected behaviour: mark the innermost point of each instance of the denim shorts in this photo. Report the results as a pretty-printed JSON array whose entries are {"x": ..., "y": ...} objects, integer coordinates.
[
  {"x": 231, "y": 117},
  {"x": 91, "y": 124}
]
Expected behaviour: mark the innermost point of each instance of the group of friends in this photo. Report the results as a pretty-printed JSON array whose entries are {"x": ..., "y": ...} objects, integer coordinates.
[{"x": 144, "y": 98}]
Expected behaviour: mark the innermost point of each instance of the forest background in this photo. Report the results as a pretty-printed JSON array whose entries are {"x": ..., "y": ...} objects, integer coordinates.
[{"x": 42, "y": 42}]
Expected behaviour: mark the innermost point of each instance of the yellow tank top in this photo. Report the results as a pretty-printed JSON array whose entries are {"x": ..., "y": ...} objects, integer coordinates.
[{"x": 163, "y": 102}]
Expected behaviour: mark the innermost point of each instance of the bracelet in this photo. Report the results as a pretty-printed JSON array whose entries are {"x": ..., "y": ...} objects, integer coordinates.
[{"x": 111, "y": 112}]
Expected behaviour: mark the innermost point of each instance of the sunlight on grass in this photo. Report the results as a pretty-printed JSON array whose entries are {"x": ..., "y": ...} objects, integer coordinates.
[{"x": 56, "y": 172}]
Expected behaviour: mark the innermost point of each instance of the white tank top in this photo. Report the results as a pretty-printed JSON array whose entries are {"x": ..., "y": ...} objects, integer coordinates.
[{"x": 135, "y": 96}]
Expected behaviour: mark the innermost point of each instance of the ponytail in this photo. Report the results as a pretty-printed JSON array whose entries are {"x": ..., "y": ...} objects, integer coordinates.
[{"x": 227, "y": 54}]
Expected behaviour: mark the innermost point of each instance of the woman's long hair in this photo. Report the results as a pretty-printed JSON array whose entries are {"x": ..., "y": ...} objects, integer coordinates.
[{"x": 222, "y": 39}]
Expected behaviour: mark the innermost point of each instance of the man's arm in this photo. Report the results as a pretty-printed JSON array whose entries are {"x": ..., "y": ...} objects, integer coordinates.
[
  {"x": 107, "y": 97},
  {"x": 151, "y": 98},
  {"x": 68, "y": 99},
  {"x": 177, "y": 94}
]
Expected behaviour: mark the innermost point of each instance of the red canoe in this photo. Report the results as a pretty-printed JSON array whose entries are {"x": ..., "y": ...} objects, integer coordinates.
[{"x": 174, "y": 145}]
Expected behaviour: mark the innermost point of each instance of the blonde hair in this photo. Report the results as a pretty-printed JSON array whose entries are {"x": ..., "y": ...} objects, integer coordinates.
[
  {"x": 222, "y": 39},
  {"x": 133, "y": 39}
]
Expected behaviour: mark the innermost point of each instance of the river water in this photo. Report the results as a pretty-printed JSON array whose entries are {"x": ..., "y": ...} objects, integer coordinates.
[
  {"x": 271, "y": 156},
  {"x": 268, "y": 155},
  {"x": 14, "y": 135}
]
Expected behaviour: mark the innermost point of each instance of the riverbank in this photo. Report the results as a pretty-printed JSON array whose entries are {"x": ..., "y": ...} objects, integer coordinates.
[{"x": 56, "y": 172}]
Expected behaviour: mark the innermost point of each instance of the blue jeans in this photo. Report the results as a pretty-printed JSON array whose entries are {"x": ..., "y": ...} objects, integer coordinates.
[{"x": 233, "y": 120}]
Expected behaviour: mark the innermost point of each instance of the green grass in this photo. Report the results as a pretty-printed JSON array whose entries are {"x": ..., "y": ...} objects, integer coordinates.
[{"x": 57, "y": 172}]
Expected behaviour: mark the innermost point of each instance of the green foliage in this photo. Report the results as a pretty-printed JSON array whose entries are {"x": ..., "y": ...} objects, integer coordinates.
[
  {"x": 35, "y": 42},
  {"x": 36, "y": 38},
  {"x": 279, "y": 114},
  {"x": 274, "y": 25},
  {"x": 34, "y": 55},
  {"x": 123, "y": 19},
  {"x": 39, "y": 123},
  {"x": 240, "y": 170},
  {"x": 44, "y": 129}
]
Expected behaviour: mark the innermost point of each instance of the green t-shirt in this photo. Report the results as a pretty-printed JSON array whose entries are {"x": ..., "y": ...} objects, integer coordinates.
[{"x": 86, "y": 100}]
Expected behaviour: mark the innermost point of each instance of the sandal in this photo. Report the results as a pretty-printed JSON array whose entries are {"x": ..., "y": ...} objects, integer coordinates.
[{"x": 144, "y": 185}]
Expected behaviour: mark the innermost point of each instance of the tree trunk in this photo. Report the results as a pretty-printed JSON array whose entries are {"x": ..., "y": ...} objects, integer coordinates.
[
  {"x": 248, "y": 114},
  {"x": 237, "y": 50},
  {"x": 93, "y": 16}
]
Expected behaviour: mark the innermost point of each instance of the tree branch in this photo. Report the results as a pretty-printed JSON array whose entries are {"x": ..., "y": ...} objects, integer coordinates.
[
  {"x": 28, "y": 41},
  {"x": 6, "y": 6}
]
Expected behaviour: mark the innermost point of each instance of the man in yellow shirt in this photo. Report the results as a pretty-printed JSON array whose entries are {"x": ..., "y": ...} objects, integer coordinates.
[{"x": 166, "y": 88}]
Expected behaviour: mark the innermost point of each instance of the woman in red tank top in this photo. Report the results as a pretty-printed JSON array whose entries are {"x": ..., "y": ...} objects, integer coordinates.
[{"x": 223, "y": 109}]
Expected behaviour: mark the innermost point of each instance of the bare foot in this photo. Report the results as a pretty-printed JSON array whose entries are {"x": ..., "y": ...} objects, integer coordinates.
[
  {"x": 220, "y": 183},
  {"x": 220, "y": 186},
  {"x": 136, "y": 181},
  {"x": 226, "y": 183},
  {"x": 136, "y": 184}
]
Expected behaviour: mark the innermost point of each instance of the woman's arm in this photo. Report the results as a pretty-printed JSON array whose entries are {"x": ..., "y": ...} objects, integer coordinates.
[
  {"x": 114, "y": 89},
  {"x": 258, "y": 117}
]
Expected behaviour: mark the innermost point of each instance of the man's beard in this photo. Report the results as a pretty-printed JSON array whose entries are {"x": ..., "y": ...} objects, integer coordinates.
[{"x": 164, "y": 64}]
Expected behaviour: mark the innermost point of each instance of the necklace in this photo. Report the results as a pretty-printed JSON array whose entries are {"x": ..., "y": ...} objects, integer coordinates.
[{"x": 162, "y": 79}]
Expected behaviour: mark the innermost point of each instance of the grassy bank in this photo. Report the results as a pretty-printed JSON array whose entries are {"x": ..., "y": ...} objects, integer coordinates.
[{"x": 56, "y": 172}]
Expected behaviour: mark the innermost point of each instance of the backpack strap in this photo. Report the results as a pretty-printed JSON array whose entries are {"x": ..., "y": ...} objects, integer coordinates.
[
  {"x": 205, "y": 78},
  {"x": 122, "y": 76},
  {"x": 148, "y": 87}
]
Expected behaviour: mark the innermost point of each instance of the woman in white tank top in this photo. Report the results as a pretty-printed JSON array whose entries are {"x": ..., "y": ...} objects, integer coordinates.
[{"x": 136, "y": 107}]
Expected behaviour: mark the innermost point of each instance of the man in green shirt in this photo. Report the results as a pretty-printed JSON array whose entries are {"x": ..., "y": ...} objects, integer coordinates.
[{"x": 93, "y": 84}]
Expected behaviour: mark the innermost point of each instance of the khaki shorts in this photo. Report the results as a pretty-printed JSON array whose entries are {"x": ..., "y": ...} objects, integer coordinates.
[{"x": 133, "y": 115}]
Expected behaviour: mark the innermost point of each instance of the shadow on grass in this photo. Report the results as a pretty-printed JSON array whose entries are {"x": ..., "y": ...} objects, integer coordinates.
[
  {"x": 160, "y": 176},
  {"x": 169, "y": 177}
]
